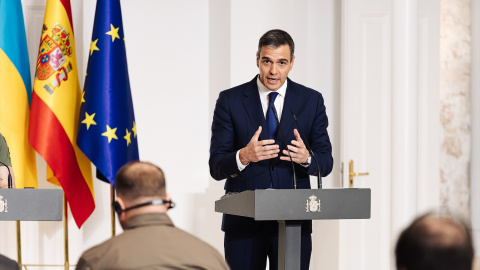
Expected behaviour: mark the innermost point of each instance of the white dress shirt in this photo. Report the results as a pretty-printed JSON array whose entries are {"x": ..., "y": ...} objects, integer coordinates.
[{"x": 264, "y": 91}]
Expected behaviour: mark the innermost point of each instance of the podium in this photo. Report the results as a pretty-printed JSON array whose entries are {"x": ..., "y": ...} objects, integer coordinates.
[
  {"x": 290, "y": 206},
  {"x": 31, "y": 204}
]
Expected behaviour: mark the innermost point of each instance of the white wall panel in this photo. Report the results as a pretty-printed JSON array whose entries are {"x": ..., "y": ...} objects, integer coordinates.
[
  {"x": 366, "y": 128},
  {"x": 428, "y": 191},
  {"x": 318, "y": 60},
  {"x": 249, "y": 21}
]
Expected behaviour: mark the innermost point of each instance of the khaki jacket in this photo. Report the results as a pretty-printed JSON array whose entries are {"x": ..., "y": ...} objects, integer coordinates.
[{"x": 151, "y": 241}]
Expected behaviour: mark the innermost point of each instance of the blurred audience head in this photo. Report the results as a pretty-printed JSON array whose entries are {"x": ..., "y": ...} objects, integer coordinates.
[{"x": 435, "y": 242}]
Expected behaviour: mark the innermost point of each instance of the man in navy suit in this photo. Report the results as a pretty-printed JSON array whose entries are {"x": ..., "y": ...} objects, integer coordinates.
[{"x": 247, "y": 148}]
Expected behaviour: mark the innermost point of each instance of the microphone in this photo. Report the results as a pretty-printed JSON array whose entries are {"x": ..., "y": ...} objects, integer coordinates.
[
  {"x": 285, "y": 142},
  {"x": 119, "y": 210},
  {"x": 9, "y": 175},
  {"x": 319, "y": 177}
]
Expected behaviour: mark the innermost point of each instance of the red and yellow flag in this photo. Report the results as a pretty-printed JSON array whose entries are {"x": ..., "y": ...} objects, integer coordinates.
[{"x": 55, "y": 107}]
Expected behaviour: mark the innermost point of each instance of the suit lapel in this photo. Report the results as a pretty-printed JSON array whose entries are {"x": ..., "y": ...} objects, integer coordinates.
[{"x": 254, "y": 110}]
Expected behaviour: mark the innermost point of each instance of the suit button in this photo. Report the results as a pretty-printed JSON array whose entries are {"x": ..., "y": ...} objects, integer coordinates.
[{"x": 272, "y": 168}]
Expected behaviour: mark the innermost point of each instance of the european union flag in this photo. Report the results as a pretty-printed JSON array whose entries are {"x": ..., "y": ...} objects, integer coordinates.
[{"x": 107, "y": 131}]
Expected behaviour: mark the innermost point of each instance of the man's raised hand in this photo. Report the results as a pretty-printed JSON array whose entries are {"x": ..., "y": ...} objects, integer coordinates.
[
  {"x": 256, "y": 150},
  {"x": 298, "y": 150}
]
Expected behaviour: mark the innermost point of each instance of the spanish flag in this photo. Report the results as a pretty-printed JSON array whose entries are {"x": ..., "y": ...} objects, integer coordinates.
[
  {"x": 55, "y": 109},
  {"x": 15, "y": 93}
]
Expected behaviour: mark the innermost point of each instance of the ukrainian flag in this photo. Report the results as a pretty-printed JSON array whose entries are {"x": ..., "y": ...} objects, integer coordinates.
[
  {"x": 107, "y": 132},
  {"x": 16, "y": 93}
]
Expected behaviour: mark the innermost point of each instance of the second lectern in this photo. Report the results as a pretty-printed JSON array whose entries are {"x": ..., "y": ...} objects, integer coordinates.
[{"x": 290, "y": 206}]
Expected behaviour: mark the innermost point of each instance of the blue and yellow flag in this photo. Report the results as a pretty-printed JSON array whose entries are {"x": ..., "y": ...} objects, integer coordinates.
[
  {"x": 16, "y": 93},
  {"x": 107, "y": 131}
]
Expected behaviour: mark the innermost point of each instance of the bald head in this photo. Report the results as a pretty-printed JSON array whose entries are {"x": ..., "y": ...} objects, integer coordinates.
[
  {"x": 435, "y": 242},
  {"x": 137, "y": 180}
]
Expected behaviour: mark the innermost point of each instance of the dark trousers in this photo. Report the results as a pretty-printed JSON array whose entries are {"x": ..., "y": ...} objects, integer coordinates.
[{"x": 250, "y": 252}]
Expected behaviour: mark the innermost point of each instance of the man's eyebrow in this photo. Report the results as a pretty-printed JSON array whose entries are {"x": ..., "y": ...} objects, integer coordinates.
[{"x": 281, "y": 59}]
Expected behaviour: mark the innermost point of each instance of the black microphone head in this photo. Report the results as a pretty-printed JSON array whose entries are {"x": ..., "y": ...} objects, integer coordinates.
[{"x": 10, "y": 182}]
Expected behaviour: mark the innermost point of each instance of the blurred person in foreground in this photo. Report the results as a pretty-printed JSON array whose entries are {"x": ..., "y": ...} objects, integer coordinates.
[
  {"x": 8, "y": 264},
  {"x": 435, "y": 242},
  {"x": 5, "y": 164},
  {"x": 150, "y": 240}
]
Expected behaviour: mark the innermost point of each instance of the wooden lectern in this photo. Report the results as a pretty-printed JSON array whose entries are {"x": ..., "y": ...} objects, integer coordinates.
[{"x": 289, "y": 206}]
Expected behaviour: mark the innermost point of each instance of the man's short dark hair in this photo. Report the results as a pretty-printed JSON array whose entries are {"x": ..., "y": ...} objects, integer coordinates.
[
  {"x": 435, "y": 242},
  {"x": 276, "y": 38},
  {"x": 140, "y": 179}
]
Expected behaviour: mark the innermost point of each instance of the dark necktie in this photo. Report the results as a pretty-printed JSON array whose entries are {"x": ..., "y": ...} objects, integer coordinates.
[{"x": 271, "y": 121}]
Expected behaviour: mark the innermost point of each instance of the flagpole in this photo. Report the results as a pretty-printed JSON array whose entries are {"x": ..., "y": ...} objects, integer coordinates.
[
  {"x": 19, "y": 245},
  {"x": 65, "y": 230},
  {"x": 112, "y": 197}
]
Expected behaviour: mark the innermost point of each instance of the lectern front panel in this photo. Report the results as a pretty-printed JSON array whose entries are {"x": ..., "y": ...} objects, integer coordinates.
[{"x": 31, "y": 204}]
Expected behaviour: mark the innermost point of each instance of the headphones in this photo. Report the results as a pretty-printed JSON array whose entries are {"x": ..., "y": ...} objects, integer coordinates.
[{"x": 119, "y": 210}]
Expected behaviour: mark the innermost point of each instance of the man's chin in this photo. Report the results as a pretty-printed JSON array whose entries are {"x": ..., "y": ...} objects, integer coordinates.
[{"x": 273, "y": 86}]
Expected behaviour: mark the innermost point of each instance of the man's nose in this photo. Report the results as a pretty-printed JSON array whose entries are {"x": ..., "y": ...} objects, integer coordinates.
[{"x": 273, "y": 69}]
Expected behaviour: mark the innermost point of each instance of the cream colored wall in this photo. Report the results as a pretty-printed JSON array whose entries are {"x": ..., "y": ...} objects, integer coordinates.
[{"x": 455, "y": 115}]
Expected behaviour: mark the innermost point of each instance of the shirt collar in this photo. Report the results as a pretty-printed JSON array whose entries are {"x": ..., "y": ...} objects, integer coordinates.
[
  {"x": 148, "y": 219},
  {"x": 264, "y": 91}
]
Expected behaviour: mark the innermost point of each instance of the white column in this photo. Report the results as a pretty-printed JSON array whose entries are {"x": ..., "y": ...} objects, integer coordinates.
[
  {"x": 404, "y": 114},
  {"x": 219, "y": 50}
]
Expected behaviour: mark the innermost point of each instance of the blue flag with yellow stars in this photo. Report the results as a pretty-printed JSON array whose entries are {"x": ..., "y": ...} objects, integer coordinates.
[{"x": 107, "y": 133}]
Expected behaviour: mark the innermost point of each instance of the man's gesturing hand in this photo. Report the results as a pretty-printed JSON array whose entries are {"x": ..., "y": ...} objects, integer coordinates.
[
  {"x": 258, "y": 150},
  {"x": 298, "y": 151}
]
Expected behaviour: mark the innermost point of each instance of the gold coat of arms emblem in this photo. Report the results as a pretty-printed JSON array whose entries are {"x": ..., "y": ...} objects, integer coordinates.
[{"x": 52, "y": 62}]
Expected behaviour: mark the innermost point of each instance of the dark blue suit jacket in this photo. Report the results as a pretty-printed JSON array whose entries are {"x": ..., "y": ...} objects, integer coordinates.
[{"x": 237, "y": 116}]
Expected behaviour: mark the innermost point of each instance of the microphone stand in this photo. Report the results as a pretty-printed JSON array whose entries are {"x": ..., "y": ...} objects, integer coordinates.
[
  {"x": 285, "y": 142},
  {"x": 319, "y": 177}
]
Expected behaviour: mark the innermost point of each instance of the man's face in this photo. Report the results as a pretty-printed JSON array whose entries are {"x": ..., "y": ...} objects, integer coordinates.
[{"x": 274, "y": 65}]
